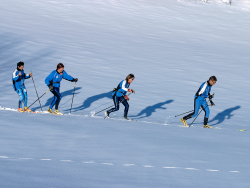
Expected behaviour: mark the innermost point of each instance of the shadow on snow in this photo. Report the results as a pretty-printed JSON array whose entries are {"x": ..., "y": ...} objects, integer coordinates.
[
  {"x": 226, "y": 114},
  {"x": 150, "y": 109},
  {"x": 87, "y": 103}
]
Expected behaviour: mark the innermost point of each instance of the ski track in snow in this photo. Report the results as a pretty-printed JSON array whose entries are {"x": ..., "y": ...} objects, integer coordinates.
[
  {"x": 92, "y": 116},
  {"x": 112, "y": 164}
]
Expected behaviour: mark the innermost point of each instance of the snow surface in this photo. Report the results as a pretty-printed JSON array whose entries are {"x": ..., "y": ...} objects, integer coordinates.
[{"x": 172, "y": 47}]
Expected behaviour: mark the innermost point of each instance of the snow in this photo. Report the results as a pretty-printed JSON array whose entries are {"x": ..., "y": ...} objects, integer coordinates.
[{"x": 172, "y": 47}]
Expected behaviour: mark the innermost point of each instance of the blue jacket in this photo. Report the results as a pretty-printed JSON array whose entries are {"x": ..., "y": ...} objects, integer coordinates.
[
  {"x": 204, "y": 90},
  {"x": 56, "y": 77},
  {"x": 18, "y": 81},
  {"x": 121, "y": 89}
]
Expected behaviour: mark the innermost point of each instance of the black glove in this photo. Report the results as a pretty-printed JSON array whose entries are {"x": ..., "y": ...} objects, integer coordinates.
[
  {"x": 74, "y": 80},
  {"x": 212, "y": 103},
  {"x": 51, "y": 87},
  {"x": 210, "y": 97}
]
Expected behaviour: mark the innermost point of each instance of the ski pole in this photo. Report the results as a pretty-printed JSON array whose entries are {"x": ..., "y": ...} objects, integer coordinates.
[
  {"x": 36, "y": 92},
  {"x": 110, "y": 106},
  {"x": 39, "y": 98},
  {"x": 184, "y": 113},
  {"x": 73, "y": 97},
  {"x": 104, "y": 109}
]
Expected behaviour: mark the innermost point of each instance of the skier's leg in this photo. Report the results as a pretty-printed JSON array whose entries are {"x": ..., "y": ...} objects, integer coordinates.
[
  {"x": 126, "y": 105},
  {"x": 191, "y": 114},
  {"x": 25, "y": 97},
  {"x": 58, "y": 97},
  {"x": 207, "y": 113},
  {"x": 206, "y": 109},
  {"x": 185, "y": 118},
  {"x": 20, "y": 93},
  {"x": 197, "y": 106},
  {"x": 25, "y": 100},
  {"x": 116, "y": 103},
  {"x": 55, "y": 98}
]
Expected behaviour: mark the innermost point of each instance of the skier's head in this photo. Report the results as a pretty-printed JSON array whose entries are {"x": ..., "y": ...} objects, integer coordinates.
[
  {"x": 212, "y": 80},
  {"x": 60, "y": 67},
  {"x": 130, "y": 78},
  {"x": 20, "y": 65}
]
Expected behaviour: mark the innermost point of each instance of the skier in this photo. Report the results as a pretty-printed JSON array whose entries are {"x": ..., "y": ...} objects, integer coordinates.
[
  {"x": 53, "y": 82},
  {"x": 119, "y": 95},
  {"x": 200, "y": 101},
  {"x": 18, "y": 78}
]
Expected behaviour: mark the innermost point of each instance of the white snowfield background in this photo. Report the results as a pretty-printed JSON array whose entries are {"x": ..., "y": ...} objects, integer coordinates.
[{"x": 171, "y": 47}]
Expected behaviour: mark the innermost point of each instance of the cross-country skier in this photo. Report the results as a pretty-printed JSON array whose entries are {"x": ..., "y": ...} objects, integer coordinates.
[
  {"x": 200, "y": 101},
  {"x": 53, "y": 82},
  {"x": 119, "y": 95},
  {"x": 18, "y": 78}
]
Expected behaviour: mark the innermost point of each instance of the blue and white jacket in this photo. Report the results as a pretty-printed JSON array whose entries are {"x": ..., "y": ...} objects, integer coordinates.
[
  {"x": 121, "y": 89},
  {"x": 18, "y": 81},
  {"x": 56, "y": 77},
  {"x": 204, "y": 90}
]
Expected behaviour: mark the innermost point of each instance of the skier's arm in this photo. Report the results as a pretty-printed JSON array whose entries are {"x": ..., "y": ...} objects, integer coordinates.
[
  {"x": 203, "y": 88},
  {"x": 68, "y": 77},
  {"x": 210, "y": 96},
  {"x": 15, "y": 76},
  {"x": 123, "y": 86},
  {"x": 49, "y": 79},
  {"x": 26, "y": 76}
]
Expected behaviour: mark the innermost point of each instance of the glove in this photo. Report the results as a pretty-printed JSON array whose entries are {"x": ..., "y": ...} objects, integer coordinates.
[
  {"x": 212, "y": 103},
  {"x": 74, "y": 80},
  {"x": 131, "y": 90},
  {"x": 51, "y": 87},
  {"x": 210, "y": 97},
  {"x": 126, "y": 97}
]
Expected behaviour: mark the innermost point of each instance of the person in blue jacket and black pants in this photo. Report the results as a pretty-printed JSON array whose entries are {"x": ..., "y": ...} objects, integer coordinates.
[
  {"x": 53, "y": 82},
  {"x": 200, "y": 101},
  {"x": 120, "y": 95},
  {"x": 18, "y": 78}
]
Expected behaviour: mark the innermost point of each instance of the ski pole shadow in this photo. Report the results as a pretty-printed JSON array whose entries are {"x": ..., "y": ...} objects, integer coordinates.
[
  {"x": 87, "y": 103},
  {"x": 64, "y": 94},
  {"x": 148, "y": 111},
  {"x": 222, "y": 116}
]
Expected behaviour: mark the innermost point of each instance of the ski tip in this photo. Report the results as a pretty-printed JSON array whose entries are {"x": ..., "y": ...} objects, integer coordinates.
[{"x": 242, "y": 130}]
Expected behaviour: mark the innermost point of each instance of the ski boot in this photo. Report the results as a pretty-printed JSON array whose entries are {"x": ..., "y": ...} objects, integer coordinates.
[
  {"x": 126, "y": 118},
  {"x": 184, "y": 122},
  {"x": 20, "y": 110},
  {"x": 26, "y": 109},
  {"x": 207, "y": 126},
  {"x": 50, "y": 111},
  {"x": 56, "y": 112},
  {"x": 107, "y": 114}
]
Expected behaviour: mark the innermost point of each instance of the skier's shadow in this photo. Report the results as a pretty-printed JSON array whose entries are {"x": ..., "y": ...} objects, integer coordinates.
[
  {"x": 63, "y": 94},
  {"x": 150, "y": 109},
  {"x": 226, "y": 114},
  {"x": 87, "y": 103}
]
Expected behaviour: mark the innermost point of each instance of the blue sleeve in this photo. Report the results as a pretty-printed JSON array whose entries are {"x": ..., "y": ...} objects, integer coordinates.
[
  {"x": 202, "y": 85},
  {"x": 202, "y": 88},
  {"x": 25, "y": 76},
  {"x": 67, "y": 77},
  {"x": 49, "y": 78},
  {"x": 123, "y": 87},
  {"x": 15, "y": 75}
]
